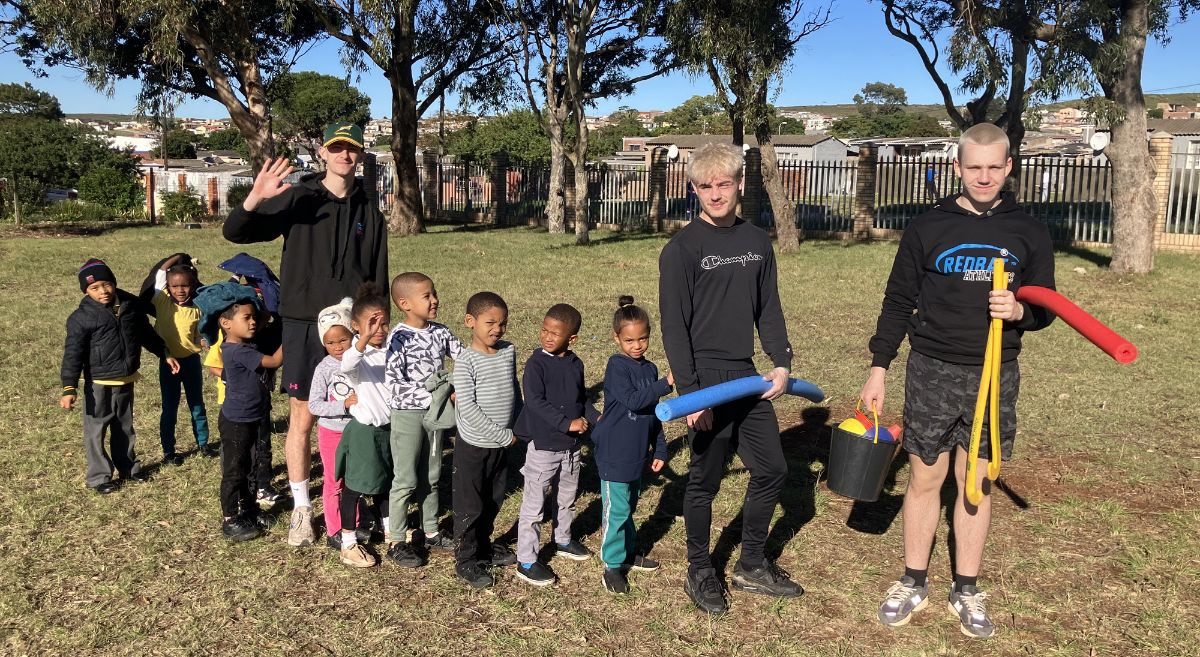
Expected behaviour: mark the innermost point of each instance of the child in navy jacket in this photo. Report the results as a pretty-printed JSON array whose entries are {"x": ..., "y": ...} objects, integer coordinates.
[{"x": 623, "y": 437}]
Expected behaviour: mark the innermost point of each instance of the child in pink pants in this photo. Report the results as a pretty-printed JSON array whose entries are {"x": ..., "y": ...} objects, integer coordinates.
[{"x": 330, "y": 398}]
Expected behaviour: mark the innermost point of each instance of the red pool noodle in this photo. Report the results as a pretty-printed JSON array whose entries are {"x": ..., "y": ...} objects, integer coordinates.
[{"x": 1089, "y": 327}]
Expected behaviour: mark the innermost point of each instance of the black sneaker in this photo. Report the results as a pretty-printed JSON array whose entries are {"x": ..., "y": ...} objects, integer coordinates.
[
  {"x": 267, "y": 496},
  {"x": 573, "y": 550},
  {"x": 105, "y": 488},
  {"x": 140, "y": 477},
  {"x": 614, "y": 581},
  {"x": 366, "y": 536},
  {"x": 767, "y": 579},
  {"x": 502, "y": 556},
  {"x": 706, "y": 591},
  {"x": 441, "y": 542},
  {"x": 238, "y": 529},
  {"x": 641, "y": 562},
  {"x": 172, "y": 459},
  {"x": 473, "y": 573},
  {"x": 536, "y": 574},
  {"x": 208, "y": 450},
  {"x": 403, "y": 555}
]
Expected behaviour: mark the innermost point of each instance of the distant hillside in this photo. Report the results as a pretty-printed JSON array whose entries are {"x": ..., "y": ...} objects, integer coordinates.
[
  {"x": 850, "y": 109},
  {"x": 939, "y": 112},
  {"x": 111, "y": 118},
  {"x": 1151, "y": 100}
]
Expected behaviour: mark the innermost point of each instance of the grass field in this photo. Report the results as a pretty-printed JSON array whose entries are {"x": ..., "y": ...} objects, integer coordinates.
[{"x": 1094, "y": 547}]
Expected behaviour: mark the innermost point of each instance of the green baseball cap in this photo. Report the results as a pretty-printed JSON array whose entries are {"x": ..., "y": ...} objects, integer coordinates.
[{"x": 347, "y": 132}]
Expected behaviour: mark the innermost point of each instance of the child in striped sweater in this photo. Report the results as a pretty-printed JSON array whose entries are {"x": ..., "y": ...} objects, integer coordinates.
[{"x": 488, "y": 400}]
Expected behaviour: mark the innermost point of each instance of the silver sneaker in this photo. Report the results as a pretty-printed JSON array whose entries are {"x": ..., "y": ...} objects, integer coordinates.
[
  {"x": 903, "y": 599},
  {"x": 300, "y": 530},
  {"x": 971, "y": 610}
]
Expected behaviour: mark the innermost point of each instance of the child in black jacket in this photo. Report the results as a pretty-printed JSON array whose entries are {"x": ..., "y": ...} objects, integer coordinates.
[{"x": 105, "y": 336}]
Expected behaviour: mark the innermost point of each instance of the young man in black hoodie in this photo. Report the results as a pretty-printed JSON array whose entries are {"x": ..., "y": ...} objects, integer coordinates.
[
  {"x": 717, "y": 283},
  {"x": 943, "y": 271},
  {"x": 334, "y": 239}
]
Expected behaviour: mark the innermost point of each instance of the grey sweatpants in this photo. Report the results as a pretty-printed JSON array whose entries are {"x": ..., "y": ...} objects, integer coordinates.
[
  {"x": 541, "y": 468},
  {"x": 108, "y": 408}
]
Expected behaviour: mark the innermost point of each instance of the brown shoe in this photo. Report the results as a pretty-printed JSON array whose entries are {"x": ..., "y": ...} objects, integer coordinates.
[{"x": 357, "y": 556}]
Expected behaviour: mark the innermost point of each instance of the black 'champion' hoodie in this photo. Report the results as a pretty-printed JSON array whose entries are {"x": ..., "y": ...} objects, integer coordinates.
[
  {"x": 943, "y": 271},
  {"x": 331, "y": 245}
]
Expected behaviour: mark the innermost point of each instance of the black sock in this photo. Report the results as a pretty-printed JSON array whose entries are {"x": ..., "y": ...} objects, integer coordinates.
[
  {"x": 962, "y": 580},
  {"x": 919, "y": 576}
]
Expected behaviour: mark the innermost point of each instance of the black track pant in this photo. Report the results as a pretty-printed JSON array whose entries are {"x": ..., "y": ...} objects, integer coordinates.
[
  {"x": 480, "y": 474},
  {"x": 751, "y": 427}
]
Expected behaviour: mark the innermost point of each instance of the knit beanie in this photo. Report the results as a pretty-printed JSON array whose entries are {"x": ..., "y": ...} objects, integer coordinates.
[
  {"x": 95, "y": 270},
  {"x": 336, "y": 315}
]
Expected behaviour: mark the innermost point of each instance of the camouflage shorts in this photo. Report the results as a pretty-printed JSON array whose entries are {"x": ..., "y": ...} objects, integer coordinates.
[{"x": 939, "y": 405}]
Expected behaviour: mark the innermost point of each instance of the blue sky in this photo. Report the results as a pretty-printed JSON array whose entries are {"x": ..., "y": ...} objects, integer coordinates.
[{"x": 830, "y": 67}]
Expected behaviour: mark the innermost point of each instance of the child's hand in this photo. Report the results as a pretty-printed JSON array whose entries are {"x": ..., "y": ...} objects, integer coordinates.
[
  {"x": 578, "y": 425},
  {"x": 67, "y": 402},
  {"x": 454, "y": 398},
  {"x": 352, "y": 399},
  {"x": 657, "y": 465},
  {"x": 173, "y": 364},
  {"x": 670, "y": 378}
]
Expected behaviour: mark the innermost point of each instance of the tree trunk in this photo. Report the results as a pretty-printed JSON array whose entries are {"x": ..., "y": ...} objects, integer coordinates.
[
  {"x": 581, "y": 183},
  {"x": 557, "y": 195},
  {"x": 1134, "y": 207},
  {"x": 781, "y": 206},
  {"x": 251, "y": 118},
  {"x": 406, "y": 215}
]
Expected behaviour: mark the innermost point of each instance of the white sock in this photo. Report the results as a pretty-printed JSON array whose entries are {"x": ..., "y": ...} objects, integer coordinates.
[
  {"x": 300, "y": 493},
  {"x": 349, "y": 540},
  {"x": 386, "y": 526}
]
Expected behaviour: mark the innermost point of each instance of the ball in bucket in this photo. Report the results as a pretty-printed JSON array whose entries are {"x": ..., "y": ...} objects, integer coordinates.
[
  {"x": 885, "y": 436},
  {"x": 853, "y": 426}
]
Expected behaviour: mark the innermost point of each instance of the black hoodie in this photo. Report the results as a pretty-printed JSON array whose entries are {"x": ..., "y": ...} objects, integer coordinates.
[
  {"x": 943, "y": 270},
  {"x": 331, "y": 245}
]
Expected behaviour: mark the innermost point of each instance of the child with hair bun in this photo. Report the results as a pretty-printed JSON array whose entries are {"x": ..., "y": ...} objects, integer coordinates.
[{"x": 624, "y": 436}]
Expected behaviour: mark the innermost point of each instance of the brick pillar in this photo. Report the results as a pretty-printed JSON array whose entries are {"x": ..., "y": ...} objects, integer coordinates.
[
  {"x": 433, "y": 184},
  {"x": 182, "y": 178},
  {"x": 498, "y": 172},
  {"x": 752, "y": 188},
  {"x": 150, "y": 192},
  {"x": 863, "y": 213},
  {"x": 214, "y": 201},
  {"x": 371, "y": 177},
  {"x": 658, "y": 188},
  {"x": 1160, "y": 152}
]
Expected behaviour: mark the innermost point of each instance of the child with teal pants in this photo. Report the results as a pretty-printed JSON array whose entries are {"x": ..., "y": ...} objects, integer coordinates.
[{"x": 624, "y": 436}]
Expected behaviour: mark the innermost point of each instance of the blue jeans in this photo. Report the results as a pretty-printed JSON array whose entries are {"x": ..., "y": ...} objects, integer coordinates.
[{"x": 192, "y": 378}]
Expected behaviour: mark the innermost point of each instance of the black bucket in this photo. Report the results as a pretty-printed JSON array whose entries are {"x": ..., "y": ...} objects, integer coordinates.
[{"x": 858, "y": 466}]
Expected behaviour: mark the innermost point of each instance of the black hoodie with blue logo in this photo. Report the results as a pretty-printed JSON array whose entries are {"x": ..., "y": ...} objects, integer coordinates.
[{"x": 943, "y": 271}]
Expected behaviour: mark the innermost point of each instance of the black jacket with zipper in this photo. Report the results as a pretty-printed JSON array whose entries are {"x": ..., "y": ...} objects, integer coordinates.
[
  {"x": 943, "y": 271},
  {"x": 105, "y": 342},
  {"x": 331, "y": 245}
]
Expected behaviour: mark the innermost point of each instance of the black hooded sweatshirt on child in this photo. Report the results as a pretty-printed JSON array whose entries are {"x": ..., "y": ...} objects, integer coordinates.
[
  {"x": 331, "y": 245},
  {"x": 943, "y": 270}
]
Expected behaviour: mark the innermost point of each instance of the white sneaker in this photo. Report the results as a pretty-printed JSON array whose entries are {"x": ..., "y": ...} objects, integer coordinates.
[{"x": 300, "y": 530}]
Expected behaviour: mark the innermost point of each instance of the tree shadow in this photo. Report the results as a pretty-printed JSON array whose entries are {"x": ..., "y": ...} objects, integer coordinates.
[
  {"x": 670, "y": 500},
  {"x": 1095, "y": 257},
  {"x": 609, "y": 238}
]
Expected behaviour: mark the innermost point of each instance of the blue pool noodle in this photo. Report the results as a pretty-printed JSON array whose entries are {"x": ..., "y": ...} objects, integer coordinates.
[{"x": 722, "y": 393}]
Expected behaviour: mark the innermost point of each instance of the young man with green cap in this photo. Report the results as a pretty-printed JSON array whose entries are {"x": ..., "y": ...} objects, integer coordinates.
[{"x": 334, "y": 240}]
